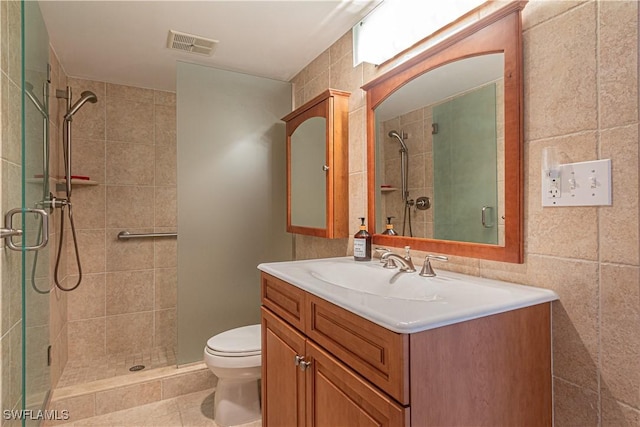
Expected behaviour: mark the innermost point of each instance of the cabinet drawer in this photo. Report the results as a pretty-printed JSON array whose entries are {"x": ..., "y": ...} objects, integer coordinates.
[
  {"x": 283, "y": 299},
  {"x": 374, "y": 352}
]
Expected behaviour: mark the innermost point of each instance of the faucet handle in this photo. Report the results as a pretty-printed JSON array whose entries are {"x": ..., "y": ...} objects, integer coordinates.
[
  {"x": 427, "y": 270},
  {"x": 407, "y": 255}
]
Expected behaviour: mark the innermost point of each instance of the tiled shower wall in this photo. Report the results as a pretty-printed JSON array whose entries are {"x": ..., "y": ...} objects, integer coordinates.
[
  {"x": 581, "y": 96},
  {"x": 126, "y": 143}
]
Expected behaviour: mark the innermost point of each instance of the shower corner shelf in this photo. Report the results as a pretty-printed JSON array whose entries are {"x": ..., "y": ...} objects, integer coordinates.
[
  {"x": 388, "y": 189},
  {"x": 61, "y": 183}
]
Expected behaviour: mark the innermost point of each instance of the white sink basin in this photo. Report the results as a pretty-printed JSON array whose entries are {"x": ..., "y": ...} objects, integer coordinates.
[{"x": 405, "y": 302}]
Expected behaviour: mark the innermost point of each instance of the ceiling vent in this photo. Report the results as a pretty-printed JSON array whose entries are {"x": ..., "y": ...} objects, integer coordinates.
[{"x": 191, "y": 43}]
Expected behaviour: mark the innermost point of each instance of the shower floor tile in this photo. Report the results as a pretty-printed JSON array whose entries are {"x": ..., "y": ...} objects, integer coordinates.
[{"x": 112, "y": 365}]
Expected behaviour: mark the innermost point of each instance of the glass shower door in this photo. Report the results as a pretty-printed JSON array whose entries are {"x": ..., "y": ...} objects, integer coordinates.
[
  {"x": 465, "y": 205},
  {"x": 35, "y": 192}
]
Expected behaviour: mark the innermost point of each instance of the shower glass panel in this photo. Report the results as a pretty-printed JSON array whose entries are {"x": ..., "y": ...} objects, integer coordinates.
[
  {"x": 465, "y": 204},
  {"x": 35, "y": 190},
  {"x": 231, "y": 198}
]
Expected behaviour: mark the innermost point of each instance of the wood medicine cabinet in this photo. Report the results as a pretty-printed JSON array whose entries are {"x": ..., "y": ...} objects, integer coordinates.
[{"x": 317, "y": 166}]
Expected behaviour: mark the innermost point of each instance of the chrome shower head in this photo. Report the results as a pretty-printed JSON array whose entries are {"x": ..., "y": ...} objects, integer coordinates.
[
  {"x": 395, "y": 134},
  {"x": 86, "y": 96}
]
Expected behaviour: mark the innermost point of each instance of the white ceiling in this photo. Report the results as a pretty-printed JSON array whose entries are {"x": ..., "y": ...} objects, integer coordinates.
[{"x": 124, "y": 42}]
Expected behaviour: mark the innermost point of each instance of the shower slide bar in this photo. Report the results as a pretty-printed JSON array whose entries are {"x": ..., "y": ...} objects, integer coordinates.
[{"x": 125, "y": 235}]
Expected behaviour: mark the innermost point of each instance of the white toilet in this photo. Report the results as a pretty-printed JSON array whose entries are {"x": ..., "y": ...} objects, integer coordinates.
[{"x": 234, "y": 356}]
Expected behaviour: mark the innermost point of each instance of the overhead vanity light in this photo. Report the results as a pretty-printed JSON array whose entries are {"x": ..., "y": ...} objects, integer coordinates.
[{"x": 191, "y": 43}]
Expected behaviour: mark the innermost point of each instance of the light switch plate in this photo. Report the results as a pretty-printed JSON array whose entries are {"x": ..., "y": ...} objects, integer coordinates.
[{"x": 580, "y": 184}]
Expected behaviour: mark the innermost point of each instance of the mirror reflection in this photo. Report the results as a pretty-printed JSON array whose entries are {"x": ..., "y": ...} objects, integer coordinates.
[
  {"x": 308, "y": 178},
  {"x": 440, "y": 154}
]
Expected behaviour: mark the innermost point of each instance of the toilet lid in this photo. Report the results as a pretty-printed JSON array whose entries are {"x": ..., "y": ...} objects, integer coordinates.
[{"x": 244, "y": 341}]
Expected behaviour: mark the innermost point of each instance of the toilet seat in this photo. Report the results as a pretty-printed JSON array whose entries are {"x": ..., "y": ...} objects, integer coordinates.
[{"x": 239, "y": 342}]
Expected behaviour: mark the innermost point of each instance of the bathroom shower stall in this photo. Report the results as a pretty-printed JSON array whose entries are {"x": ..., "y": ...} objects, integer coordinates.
[{"x": 148, "y": 300}]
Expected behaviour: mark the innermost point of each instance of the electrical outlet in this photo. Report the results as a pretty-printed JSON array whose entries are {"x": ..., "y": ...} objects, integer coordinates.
[{"x": 579, "y": 184}]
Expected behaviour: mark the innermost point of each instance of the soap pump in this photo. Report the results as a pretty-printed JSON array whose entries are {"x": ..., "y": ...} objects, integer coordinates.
[
  {"x": 390, "y": 231},
  {"x": 362, "y": 243}
]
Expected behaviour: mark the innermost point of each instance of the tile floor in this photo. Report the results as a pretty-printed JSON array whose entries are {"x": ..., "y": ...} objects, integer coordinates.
[
  {"x": 195, "y": 409},
  {"x": 84, "y": 371}
]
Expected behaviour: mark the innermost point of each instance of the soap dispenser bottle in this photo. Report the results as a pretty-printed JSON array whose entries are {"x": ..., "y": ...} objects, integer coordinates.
[
  {"x": 390, "y": 231},
  {"x": 362, "y": 243}
]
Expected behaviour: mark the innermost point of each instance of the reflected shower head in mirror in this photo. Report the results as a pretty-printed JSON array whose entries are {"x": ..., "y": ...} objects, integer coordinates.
[
  {"x": 395, "y": 134},
  {"x": 86, "y": 96}
]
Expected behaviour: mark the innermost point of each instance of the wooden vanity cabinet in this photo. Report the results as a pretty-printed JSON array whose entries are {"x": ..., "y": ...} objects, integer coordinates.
[{"x": 326, "y": 366}]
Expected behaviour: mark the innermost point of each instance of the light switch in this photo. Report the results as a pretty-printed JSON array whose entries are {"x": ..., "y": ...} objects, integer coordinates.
[{"x": 579, "y": 184}]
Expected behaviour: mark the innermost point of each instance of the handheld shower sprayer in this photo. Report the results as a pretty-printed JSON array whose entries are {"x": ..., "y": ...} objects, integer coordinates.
[
  {"x": 395, "y": 134},
  {"x": 72, "y": 108},
  {"x": 404, "y": 170}
]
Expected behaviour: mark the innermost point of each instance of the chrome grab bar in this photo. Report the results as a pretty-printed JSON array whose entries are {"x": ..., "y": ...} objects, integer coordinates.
[{"x": 125, "y": 235}]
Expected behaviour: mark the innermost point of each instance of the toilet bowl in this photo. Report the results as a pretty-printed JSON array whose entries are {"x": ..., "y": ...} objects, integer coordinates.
[{"x": 234, "y": 356}]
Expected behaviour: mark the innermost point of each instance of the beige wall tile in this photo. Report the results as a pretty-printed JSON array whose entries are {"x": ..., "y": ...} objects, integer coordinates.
[
  {"x": 130, "y": 164},
  {"x": 357, "y": 201},
  {"x": 130, "y": 93},
  {"x": 616, "y": 414},
  {"x": 575, "y": 316},
  {"x": 89, "y": 121},
  {"x": 129, "y": 206},
  {"x": 344, "y": 76},
  {"x": 618, "y": 62},
  {"x": 166, "y": 164},
  {"x": 560, "y": 78},
  {"x": 134, "y": 254},
  {"x": 165, "y": 125},
  {"x": 127, "y": 397},
  {"x": 129, "y": 121},
  {"x": 191, "y": 382},
  {"x": 166, "y": 328},
  {"x": 318, "y": 66},
  {"x": 15, "y": 36},
  {"x": 574, "y": 406},
  {"x": 129, "y": 291},
  {"x": 129, "y": 332},
  {"x": 162, "y": 97},
  {"x": 166, "y": 207},
  {"x": 357, "y": 141},
  {"x": 88, "y": 159},
  {"x": 88, "y": 300},
  {"x": 166, "y": 289},
  {"x": 568, "y": 232},
  {"x": 91, "y": 244},
  {"x": 78, "y": 408},
  {"x": 619, "y": 222},
  {"x": 620, "y": 296},
  {"x": 88, "y": 207},
  {"x": 86, "y": 338},
  {"x": 316, "y": 85},
  {"x": 537, "y": 12},
  {"x": 308, "y": 247},
  {"x": 342, "y": 47},
  {"x": 166, "y": 251}
]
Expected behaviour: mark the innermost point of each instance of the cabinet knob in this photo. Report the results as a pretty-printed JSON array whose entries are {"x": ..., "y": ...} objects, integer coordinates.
[
  {"x": 325, "y": 168},
  {"x": 303, "y": 364}
]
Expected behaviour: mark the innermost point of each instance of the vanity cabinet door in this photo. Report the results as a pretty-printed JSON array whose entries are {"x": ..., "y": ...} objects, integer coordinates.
[
  {"x": 337, "y": 397},
  {"x": 318, "y": 166},
  {"x": 283, "y": 382}
]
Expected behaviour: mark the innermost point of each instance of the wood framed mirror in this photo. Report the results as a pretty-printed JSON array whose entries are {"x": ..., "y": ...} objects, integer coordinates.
[{"x": 445, "y": 144}]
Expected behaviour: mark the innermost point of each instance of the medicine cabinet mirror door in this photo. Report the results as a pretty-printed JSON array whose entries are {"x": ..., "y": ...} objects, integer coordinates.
[
  {"x": 444, "y": 131},
  {"x": 317, "y": 166}
]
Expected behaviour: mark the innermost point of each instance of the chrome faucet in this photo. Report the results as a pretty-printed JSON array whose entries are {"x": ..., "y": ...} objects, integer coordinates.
[
  {"x": 427, "y": 270},
  {"x": 405, "y": 262}
]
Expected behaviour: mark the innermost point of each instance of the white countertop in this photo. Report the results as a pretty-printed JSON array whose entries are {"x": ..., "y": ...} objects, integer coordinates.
[{"x": 405, "y": 302}]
